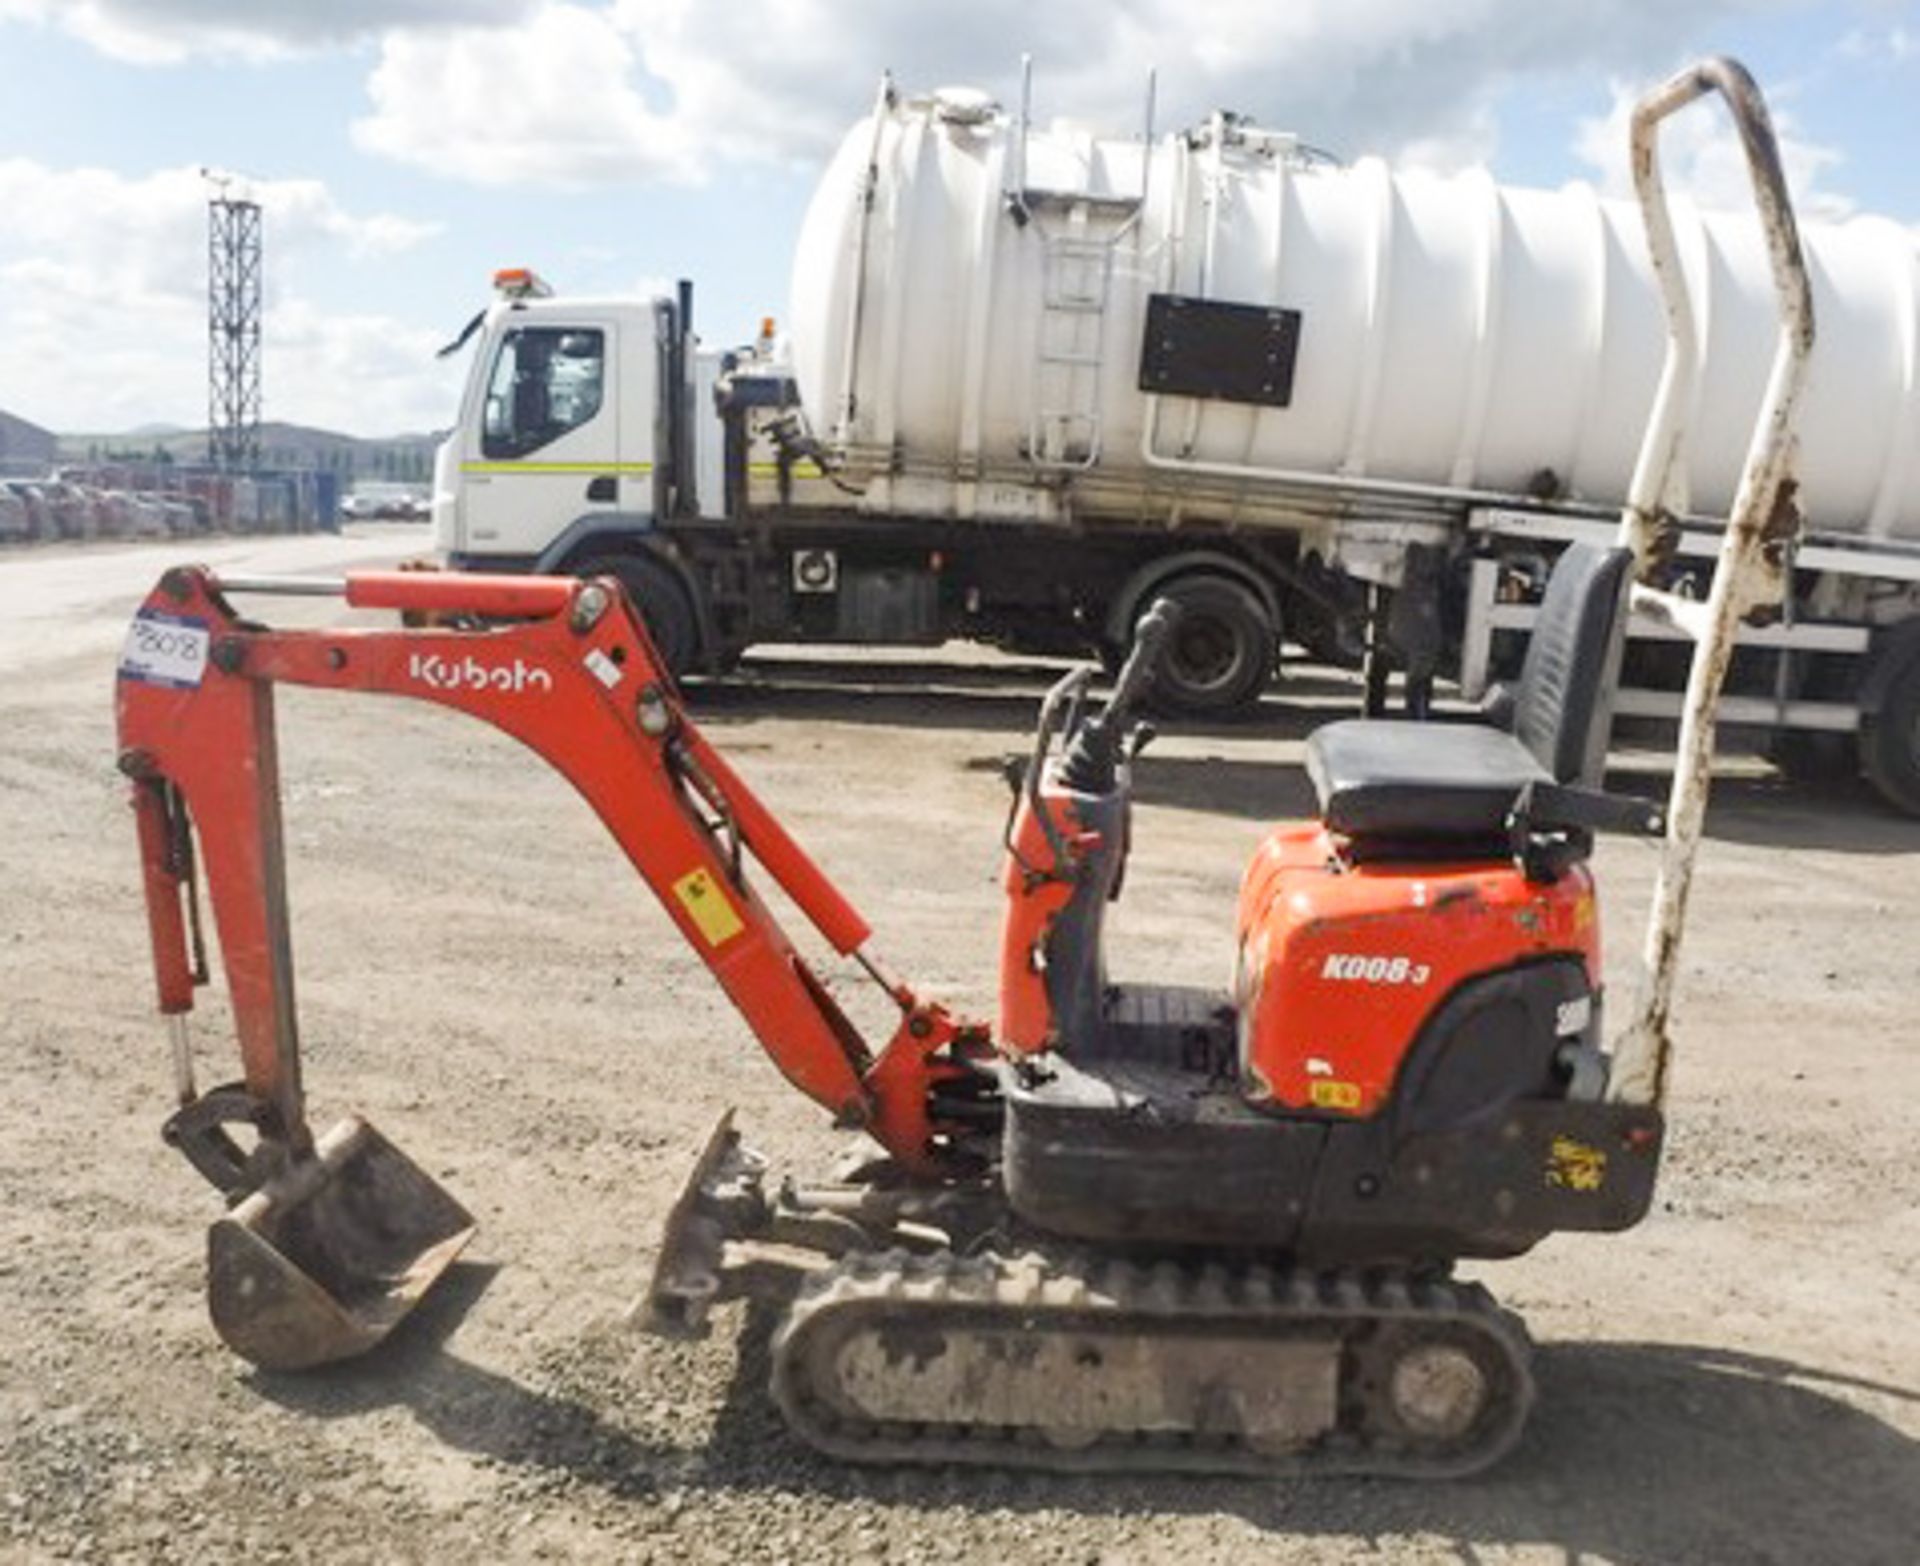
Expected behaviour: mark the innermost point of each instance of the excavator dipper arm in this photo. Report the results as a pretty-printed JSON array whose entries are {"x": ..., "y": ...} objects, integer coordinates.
[{"x": 575, "y": 678}]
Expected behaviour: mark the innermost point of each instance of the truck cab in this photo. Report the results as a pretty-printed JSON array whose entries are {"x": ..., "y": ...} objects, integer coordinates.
[
  {"x": 558, "y": 429},
  {"x": 591, "y": 440}
]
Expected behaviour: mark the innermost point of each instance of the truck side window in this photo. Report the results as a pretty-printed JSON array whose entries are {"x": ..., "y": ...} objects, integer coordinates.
[{"x": 546, "y": 380}]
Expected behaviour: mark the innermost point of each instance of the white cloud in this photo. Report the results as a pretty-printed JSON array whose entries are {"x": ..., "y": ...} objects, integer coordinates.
[
  {"x": 103, "y": 305},
  {"x": 367, "y": 374},
  {"x": 1700, "y": 157},
  {"x": 674, "y": 89},
  {"x": 1894, "y": 45},
  {"x": 553, "y": 102},
  {"x": 587, "y": 92},
  {"x": 165, "y": 32}
]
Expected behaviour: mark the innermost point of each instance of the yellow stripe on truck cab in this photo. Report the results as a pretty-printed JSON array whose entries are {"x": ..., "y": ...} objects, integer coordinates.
[{"x": 556, "y": 467}]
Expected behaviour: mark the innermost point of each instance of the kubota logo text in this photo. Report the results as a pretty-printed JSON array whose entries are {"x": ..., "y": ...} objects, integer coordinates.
[{"x": 470, "y": 674}]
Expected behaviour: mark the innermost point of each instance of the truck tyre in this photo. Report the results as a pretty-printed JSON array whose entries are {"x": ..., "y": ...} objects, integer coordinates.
[
  {"x": 1815, "y": 756},
  {"x": 1221, "y": 653},
  {"x": 1890, "y": 737},
  {"x": 662, "y": 602},
  {"x": 1821, "y": 757}
]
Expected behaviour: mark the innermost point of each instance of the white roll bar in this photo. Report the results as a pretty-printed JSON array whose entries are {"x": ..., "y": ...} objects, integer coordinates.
[{"x": 1753, "y": 563}]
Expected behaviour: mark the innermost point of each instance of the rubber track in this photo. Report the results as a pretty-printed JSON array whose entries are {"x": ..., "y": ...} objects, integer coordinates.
[{"x": 916, "y": 1292}]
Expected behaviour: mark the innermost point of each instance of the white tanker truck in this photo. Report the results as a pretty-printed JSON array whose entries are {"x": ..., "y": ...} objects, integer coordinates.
[{"x": 1037, "y": 378}]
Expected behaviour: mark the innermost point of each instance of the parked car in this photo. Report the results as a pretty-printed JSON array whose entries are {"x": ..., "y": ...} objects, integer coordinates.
[
  {"x": 15, "y": 524},
  {"x": 33, "y": 502},
  {"x": 384, "y": 502},
  {"x": 78, "y": 512}
]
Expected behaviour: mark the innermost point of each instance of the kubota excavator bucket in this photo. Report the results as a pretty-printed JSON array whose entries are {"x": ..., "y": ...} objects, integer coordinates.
[{"x": 323, "y": 1262}]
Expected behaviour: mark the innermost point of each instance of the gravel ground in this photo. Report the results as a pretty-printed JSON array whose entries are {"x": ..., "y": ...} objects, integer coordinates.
[{"x": 1737, "y": 1380}]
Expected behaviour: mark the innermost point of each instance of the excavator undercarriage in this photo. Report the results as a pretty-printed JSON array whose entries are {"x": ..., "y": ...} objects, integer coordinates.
[
  {"x": 1090, "y": 1364},
  {"x": 933, "y": 1326}
]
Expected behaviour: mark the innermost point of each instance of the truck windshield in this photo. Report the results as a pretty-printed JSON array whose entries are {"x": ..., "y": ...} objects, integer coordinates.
[{"x": 545, "y": 381}]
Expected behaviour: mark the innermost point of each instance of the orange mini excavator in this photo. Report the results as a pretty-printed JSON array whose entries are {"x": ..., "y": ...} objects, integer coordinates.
[{"x": 1127, "y": 1225}]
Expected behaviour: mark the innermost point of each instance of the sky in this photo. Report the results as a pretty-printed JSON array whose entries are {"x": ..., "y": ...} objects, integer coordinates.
[{"x": 404, "y": 149}]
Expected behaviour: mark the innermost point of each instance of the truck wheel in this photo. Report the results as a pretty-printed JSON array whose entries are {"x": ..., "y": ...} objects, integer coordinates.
[
  {"x": 1821, "y": 756},
  {"x": 1221, "y": 653},
  {"x": 1890, "y": 738},
  {"x": 1815, "y": 755},
  {"x": 662, "y": 602}
]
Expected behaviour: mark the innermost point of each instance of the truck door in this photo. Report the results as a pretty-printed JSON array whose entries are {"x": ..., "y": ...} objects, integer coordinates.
[{"x": 543, "y": 451}]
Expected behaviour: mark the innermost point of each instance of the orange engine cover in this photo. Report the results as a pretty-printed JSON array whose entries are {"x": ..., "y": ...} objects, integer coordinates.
[{"x": 1339, "y": 964}]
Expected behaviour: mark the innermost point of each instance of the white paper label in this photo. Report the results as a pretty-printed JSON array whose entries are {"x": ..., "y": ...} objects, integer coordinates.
[{"x": 165, "y": 649}]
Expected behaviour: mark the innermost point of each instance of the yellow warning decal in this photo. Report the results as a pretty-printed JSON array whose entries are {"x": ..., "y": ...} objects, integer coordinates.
[
  {"x": 1575, "y": 1166},
  {"x": 1333, "y": 1095},
  {"x": 713, "y": 914}
]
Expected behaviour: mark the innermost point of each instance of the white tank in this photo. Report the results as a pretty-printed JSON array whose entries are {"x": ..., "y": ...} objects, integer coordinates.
[{"x": 968, "y": 319}]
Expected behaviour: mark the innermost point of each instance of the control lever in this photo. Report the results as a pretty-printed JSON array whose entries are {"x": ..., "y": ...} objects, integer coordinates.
[{"x": 1095, "y": 750}]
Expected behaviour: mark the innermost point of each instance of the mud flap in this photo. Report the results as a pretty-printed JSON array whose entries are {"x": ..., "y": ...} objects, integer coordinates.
[{"x": 322, "y": 1263}]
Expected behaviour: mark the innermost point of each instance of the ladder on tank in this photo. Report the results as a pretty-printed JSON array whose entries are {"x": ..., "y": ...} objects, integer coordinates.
[
  {"x": 1076, "y": 278},
  {"x": 1064, "y": 424}
]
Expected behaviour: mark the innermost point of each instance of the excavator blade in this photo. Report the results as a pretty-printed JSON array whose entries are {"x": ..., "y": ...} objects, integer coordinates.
[
  {"x": 322, "y": 1263},
  {"x": 687, "y": 1272}
]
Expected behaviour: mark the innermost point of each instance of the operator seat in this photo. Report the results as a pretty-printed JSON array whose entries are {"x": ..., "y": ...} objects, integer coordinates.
[{"x": 1429, "y": 786}]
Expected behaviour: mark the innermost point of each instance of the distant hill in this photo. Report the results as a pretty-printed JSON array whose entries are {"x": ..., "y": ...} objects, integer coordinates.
[{"x": 406, "y": 458}]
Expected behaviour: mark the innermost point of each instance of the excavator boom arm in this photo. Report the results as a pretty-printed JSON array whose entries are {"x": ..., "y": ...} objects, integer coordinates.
[{"x": 578, "y": 681}]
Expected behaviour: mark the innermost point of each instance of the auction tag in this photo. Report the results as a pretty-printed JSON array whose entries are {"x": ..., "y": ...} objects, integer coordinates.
[{"x": 165, "y": 649}]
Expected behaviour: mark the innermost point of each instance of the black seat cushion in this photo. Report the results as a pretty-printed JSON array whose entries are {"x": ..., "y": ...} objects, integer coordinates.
[{"x": 1408, "y": 781}]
